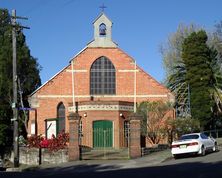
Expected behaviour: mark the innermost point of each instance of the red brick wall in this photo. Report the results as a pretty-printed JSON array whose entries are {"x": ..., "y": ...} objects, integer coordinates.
[
  {"x": 61, "y": 83},
  {"x": 59, "y": 88},
  {"x": 48, "y": 109},
  {"x": 99, "y": 115}
]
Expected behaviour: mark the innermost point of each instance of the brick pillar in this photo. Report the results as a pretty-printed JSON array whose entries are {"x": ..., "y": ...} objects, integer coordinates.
[
  {"x": 134, "y": 140},
  {"x": 73, "y": 136}
]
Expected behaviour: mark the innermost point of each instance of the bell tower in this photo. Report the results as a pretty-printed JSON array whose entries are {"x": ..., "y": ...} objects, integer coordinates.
[{"x": 102, "y": 32}]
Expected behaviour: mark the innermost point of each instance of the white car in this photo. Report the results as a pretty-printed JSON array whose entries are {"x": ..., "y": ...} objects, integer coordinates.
[{"x": 197, "y": 143}]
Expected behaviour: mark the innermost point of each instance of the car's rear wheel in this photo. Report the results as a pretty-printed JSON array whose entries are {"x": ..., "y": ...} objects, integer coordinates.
[
  {"x": 203, "y": 151},
  {"x": 215, "y": 148}
]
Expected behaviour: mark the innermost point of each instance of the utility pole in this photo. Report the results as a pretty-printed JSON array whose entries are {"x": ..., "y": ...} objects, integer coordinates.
[
  {"x": 14, "y": 79},
  {"x": 14, "y": 104}
]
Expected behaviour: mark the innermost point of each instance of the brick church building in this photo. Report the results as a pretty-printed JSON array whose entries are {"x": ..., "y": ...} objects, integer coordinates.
[{"x": 102, "y": 83}]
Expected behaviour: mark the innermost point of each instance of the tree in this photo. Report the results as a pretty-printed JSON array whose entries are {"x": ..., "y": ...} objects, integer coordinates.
[
  {"x": 176, "y": 70},
  {"x": 172, "y": 49},
  {"x": 182, "y": 126},
  {"x": 174, "y": 65},
  {"x": 154, "y": 120},
  {"x": 27, "y": 70},
  {"x": 215, "y": 43},
  {"x": 197, "y": 59}
]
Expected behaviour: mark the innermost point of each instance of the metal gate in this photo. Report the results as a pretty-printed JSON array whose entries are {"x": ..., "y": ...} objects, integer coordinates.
[{"x": 107, "y": 142}]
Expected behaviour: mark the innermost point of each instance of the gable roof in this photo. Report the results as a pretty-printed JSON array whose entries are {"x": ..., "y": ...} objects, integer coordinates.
[
  {"x": 82, "y": 50},
  {"x": 144, "y": 71},
  {"x": 101, "y": 14},
  {"x": 48, "y": 81}
]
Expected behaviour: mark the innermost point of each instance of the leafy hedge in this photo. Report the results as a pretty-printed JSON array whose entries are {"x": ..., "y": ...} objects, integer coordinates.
[{"x": 53, "y": 144}]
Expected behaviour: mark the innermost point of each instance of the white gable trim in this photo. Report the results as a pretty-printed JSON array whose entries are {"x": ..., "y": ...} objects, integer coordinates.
[
  {"x": 102, "y": 14},
  {"x": 103, "y": 96},
  {"x": 48, "y": 81},
  {"x": 58, "y": 72}
]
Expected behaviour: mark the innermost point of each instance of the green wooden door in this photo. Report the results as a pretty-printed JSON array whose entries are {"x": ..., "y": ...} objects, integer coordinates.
[{"x": 102, "y": 134}]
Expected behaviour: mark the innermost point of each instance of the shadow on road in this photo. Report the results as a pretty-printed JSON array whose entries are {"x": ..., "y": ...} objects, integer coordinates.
[{"x": 184, "y": 170}]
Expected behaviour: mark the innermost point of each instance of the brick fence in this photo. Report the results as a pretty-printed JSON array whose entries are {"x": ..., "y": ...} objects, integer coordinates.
[{"x": 35, "y": 156}]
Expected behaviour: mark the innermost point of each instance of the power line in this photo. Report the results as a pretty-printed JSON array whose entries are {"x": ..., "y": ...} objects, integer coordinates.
[
  {"x": 42, "y": 3},
  {"x": 68, "y": 2},
  {"x": 35, "y": 7}
]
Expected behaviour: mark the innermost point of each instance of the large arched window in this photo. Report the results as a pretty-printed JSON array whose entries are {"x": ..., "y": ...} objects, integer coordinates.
[
  {"x": 102, "y": 77},
  {"x": 61, "y": 117}
]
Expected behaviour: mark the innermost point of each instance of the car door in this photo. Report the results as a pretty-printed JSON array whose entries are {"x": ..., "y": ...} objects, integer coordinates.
[
  {"x": 206, "y": 141},
  {"x": 211, "y": 140}
]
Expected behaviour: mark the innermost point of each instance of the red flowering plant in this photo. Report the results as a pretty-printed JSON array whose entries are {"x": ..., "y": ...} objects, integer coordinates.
[
  {"x": 59, "y": 142},
  {"x": 53, "y": 144},
  {"x": 44, "y": 143},
  {"x": 34, "y": 141}
]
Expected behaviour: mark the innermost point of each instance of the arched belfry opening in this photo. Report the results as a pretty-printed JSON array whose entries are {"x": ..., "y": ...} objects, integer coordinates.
[
  {"x": 102, "y": 32},
  {"x": 102, "y": 29}
]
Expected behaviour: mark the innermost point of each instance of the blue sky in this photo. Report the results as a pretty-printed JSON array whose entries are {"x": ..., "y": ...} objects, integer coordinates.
[{"x": 61, "y": 28}]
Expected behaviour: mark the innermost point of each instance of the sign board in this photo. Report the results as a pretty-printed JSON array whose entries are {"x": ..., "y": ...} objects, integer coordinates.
[{"x": 13, "y": 105}]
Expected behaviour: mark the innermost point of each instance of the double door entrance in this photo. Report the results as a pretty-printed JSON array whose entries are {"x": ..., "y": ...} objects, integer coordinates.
[{"x": 102, "y": 134}]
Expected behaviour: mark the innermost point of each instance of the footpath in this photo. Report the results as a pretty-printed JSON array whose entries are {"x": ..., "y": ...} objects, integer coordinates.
[{"x": 105, "y": 165}]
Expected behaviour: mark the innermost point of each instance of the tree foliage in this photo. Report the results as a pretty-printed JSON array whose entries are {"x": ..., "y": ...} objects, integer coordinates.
[
  {"x": 154, "y": 120},
  {"x": 174, "y": 66},
  {"x": 215, "y": 42},
  {"x": 27, "y": 71},
  {"x": 178, "y": 76},
  {"x": 182, "y": 126},
  {"x": 171, "y": 50},
  {"x": 199, "y": 74}
]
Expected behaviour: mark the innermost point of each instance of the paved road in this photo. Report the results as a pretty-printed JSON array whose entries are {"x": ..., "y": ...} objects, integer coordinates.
[{"x": 209, "y": 166}]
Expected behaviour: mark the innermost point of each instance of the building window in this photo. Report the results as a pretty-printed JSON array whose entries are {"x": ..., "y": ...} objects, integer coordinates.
[
  {"x": 33, "y": 127},
  {"x": 102, "y": 29},
  {"x": 126, "y": 132},
  {"x": 80, "y": 128},
  {"x": 61, "y": 117},
  {"x": 102, "y": 77}
]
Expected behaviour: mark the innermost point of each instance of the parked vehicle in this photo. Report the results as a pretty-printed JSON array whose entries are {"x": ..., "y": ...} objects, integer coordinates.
[{"x": 196, "y": 143}]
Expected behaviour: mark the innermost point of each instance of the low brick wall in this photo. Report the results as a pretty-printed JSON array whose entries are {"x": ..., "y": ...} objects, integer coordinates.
[
  {"x": 159, "y": 147},
  {"x": 29, "y": 156},
  {"x": 60, "y": 156},
  {"x": 35, "y": 156}
]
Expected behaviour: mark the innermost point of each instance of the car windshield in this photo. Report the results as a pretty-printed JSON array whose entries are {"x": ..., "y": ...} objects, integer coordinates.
[{"x": 186, "y": 137}]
